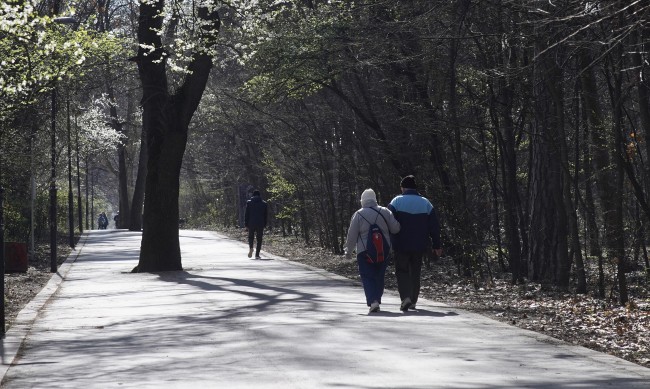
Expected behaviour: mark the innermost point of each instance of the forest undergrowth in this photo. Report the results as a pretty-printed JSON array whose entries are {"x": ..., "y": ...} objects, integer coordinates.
[{"x": 598, "y": 324}]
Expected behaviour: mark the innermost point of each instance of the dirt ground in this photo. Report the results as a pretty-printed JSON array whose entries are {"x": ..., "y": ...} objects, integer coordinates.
[{"x": 578, "y": 319}]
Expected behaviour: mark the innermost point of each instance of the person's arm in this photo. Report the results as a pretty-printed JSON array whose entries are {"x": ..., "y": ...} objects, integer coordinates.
[
  {"x": 353, "y": 233},
  {"x": 266, "y": 213},
  {"x": 247, "y": 214},
  {"x": 393, "y": 224},
  {"x": 434, "y": 232}
]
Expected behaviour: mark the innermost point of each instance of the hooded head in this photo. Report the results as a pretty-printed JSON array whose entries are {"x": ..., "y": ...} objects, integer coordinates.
[
  {"x": 256, "y": 193},
  {"x": 368, "y": 198}
]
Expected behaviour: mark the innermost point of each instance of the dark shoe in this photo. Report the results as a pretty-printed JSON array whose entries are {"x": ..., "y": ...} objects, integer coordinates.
[
  {"x": 406, "y": 303},
  {"x": 258, "y": 257},
  {"x": 250, "y": 253}
]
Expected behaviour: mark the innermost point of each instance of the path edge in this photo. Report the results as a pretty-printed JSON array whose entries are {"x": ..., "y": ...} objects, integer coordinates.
[{"x": 21, "y": 326}]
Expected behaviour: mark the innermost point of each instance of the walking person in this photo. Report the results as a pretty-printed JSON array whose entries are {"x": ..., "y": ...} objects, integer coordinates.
[
  {"x": 102, "y": 221},
  {"x": 372, "y": 261},
  {"x": 255, "y": 221},
  {"x": 419, "y": 223}
]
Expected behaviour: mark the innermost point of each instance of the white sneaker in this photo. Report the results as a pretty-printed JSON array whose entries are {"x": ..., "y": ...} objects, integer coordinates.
[
  {"x": 374, "y": 307},
  {"x": 406, "y": 303},
  {"x": 250, "y": 253}
]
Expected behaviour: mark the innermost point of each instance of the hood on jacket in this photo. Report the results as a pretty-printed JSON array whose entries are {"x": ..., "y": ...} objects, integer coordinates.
[{"x": 368, "y": 198}]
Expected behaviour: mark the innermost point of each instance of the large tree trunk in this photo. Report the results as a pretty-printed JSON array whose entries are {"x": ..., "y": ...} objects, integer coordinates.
[{"x": 166, "y": 118}]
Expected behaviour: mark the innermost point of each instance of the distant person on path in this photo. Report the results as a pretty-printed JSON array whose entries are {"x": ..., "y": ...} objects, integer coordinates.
[
  {"x": 419, "y": 223},
  {"x": 255, "y": 221},
  {"x": 102, "y": 221},
  {"x": 372, "y": 272},
  {"x": 116, "y": 219}
]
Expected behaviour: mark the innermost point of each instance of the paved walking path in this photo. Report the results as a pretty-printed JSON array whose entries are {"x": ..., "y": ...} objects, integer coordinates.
[{"x": 232, "y": 322}]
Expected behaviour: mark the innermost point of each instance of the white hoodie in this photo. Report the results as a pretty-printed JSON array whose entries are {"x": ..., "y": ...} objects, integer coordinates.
[{"x": 359, "y": 227}]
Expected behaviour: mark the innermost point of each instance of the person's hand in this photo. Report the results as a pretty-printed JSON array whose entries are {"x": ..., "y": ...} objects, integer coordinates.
[{"x": 437, "y": 252}]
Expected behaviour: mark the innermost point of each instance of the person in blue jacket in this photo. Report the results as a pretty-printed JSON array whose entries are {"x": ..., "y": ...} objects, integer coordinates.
[
  {"x": 419, "y": 222},
  {"x": 255, "y": 221}
]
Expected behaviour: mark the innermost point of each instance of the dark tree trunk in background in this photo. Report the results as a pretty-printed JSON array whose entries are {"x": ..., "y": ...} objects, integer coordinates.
[
  {"x": 618, "y": 232},
  {"x": 548, "y": 255},
  {"x": 165, "y": 120},
  {"x": 505, "y": 131},
  {"x": 463, "y": 213},
  {"x": 607, "y": 168},
  {"x": 123, "y": 181},
  {"x": 122, "y": 173},
  {"x": 138, "y": 189}
]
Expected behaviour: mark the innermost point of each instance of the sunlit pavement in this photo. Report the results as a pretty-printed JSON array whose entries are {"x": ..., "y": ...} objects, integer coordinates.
[{"x": 228, "y": 321}]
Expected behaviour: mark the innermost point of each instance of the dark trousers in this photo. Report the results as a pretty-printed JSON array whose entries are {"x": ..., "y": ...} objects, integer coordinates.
[
  {"x": 252, "y": 233},
  {"x": 372, "y": 279},
  {"x": 408, "y": 268}
]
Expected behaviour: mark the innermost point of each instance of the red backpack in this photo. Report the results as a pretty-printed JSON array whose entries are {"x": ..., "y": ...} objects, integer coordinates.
[{"x": 376, "y": 245}]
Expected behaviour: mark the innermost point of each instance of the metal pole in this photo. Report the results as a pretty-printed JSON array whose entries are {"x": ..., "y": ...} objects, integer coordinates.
[
  {"x": 87, "y": 194},
  {"x": 2, "y": 259},
  {"x": 79, "y": 208},
  {"x": 70, "y": 194},
  {"x": 32, "y": 197},
  {"x": 2, "y": 252},
  {"x": 92, "y": 199},
  {"x": 53, "y": 226},
  {"x": 53, "y": 211}
]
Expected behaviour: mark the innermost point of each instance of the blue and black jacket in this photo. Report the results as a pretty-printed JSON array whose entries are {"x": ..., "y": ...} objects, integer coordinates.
[{"x": 419, "y": 222}]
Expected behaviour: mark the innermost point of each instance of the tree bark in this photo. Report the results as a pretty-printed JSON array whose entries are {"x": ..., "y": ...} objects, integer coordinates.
[
  {"x": 548, "y": 254},
  {"x": 135, "y": 219},
  {"x": 607, "y": 167},
  {"x": 166, "y": 118},
  {"x": 123, "y": 182}
]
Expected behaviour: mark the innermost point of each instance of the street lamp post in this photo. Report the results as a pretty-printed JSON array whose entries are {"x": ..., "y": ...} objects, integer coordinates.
[
  {"x": 70, "y": 194},
  {"x": 92, "y": 199},
  {"x": 53, "y": 189},
  {"x": 32, "y": 195},
  {"x": 2, "y": 260},
  {"x": 79, "y": 210},
  {"x": 53, "y": 227},
  {"x": 88, "y": 227}
]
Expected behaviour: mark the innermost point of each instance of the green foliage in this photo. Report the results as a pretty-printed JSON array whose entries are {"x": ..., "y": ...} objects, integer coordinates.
[
  {"x": 294, "y": 49},
  {"x": 36, "y": 52},
  {"x": 281, "y": 191}
]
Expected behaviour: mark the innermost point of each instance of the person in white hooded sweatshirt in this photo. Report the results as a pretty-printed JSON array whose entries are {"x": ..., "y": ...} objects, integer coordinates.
[{"x": 372, "y": 274}]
